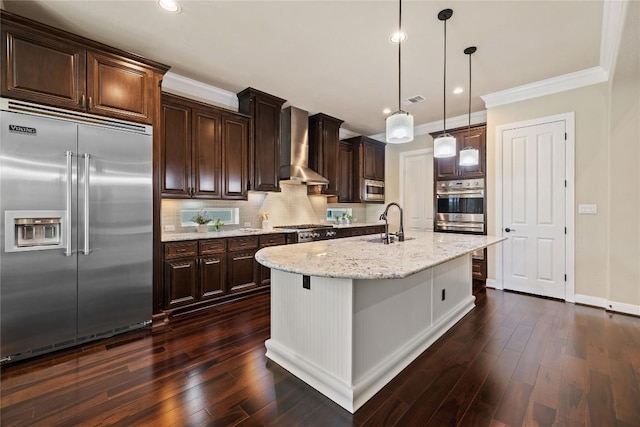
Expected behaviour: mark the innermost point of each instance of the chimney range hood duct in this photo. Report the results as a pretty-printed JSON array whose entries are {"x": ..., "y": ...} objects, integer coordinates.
[{"x": 294, "y": 154}]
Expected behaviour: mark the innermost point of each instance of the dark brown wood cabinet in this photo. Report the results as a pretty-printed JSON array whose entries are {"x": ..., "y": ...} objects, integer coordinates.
[
  {"x": 324, "y": 146},
  {"x": 264, "y": 273},
  {"x": 373, "y": 159},
  {"x": 242, "y": 266},
  {"x": 204, "y": 150},
  {"x": 367, "y": 160},
  {"x": 49, "y": 66},
  {"x": 448, "y": 168},
  {"x": 194, "y": 271},
  {"x": 346, "y": 169},
  {"x": 264, "y": 146}
]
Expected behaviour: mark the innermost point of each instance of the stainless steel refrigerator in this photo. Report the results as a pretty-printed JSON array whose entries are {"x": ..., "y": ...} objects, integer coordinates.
[{"x": 76, "y": 212}]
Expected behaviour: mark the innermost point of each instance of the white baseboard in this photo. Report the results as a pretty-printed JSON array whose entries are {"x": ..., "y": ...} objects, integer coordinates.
[
  {"x": 494, "y": 284},
  {"x": 619, "y": 307}
]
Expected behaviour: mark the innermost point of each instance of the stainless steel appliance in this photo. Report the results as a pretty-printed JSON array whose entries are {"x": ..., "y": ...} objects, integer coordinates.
[
  {"x": 76, "y": 243},
  {"x": 310, "y": 232},
  {"x": 460, "y": 206},
  {"x": 373, "y": 190}
]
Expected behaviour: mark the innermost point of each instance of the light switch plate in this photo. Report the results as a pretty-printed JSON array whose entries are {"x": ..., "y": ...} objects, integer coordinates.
[
  {"x": 588, "y": 209},
  {"x": 169, "y": 228}
]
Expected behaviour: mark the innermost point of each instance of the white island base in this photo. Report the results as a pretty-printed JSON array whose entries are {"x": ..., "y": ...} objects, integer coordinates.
[{"x": 348, "y": 338}]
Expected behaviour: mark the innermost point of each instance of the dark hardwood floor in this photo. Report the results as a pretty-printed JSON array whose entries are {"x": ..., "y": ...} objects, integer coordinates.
[{"x": 514, "y": 360}]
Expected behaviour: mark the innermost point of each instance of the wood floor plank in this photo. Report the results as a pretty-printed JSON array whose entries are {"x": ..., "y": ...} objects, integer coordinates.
[{"x": 513, "y": 360}]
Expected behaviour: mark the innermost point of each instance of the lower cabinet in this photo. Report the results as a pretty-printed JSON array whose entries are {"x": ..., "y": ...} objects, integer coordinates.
[{"x": 204, "y": 272}]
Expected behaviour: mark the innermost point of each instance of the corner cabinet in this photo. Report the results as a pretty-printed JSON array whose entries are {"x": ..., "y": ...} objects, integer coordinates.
[
  {"x": 449, "y": 168},
  {"x": 204, "y": 150},
  {"x": 324, "y": 146},
  {"x": 264, "y": 151},
  {"x": 50, "y": 66}
]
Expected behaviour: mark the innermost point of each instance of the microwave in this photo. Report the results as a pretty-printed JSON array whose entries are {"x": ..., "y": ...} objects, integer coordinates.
[{"x": 373, "y": 190}]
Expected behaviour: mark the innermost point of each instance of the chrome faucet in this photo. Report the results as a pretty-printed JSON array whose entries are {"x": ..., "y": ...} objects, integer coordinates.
[{"x": 384, "y": 216}]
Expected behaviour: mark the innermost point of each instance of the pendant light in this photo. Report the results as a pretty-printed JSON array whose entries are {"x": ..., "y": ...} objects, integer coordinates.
[
  {"x": 445, "y": 144},
  {"x": 399, "y": 124},
  {"x": 469, "y": 156}
]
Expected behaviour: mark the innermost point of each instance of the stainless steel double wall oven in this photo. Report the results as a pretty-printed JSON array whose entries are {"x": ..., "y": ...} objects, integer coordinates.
[{"x": 460, "y": 206}]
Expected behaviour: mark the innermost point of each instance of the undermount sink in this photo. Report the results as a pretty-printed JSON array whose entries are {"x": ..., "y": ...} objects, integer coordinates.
[{"x": 392, "y": 239}]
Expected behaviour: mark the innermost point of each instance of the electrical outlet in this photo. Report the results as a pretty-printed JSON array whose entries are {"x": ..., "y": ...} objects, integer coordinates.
[
  {"x": 247, "y": 224},
  {"x": 169, "y": 228}
]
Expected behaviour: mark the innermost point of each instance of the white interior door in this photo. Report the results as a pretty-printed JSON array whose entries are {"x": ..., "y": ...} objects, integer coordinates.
[
  {"x": 534, "y": 209},
  {"x": 416, "y": 189}
]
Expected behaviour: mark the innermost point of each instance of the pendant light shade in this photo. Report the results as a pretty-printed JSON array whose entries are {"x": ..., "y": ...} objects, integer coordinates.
[
  {"x": 445, "y": 144},
  {"x": 399, "y": 128},
  {"x": 400, "y": 124},
  {"x": 469, "y": 156}
]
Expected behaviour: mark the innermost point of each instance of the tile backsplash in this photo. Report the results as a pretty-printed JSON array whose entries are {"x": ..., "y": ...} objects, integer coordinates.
[{"x": 290, "y": 206}]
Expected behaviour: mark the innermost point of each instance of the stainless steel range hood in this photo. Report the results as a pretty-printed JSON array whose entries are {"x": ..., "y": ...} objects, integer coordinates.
[{"x": 294, "y": 154}]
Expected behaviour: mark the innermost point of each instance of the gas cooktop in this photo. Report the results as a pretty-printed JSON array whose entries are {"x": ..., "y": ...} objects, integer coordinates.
[{"x": 304, "y": 226}]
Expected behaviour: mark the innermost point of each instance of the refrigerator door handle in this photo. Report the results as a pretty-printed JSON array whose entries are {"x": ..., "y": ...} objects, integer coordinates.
[
  {"x": 87, "y": 169},
  {"x": 67, "y": 234}
]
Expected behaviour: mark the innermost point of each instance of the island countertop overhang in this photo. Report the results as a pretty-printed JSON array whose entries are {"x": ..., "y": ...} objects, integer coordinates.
[{"x": 360, "y": 258}]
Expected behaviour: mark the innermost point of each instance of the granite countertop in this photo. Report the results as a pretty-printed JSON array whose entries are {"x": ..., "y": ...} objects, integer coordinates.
[
  {"x": 360, "y": 258},
  {"x": 239, "y": 232}
]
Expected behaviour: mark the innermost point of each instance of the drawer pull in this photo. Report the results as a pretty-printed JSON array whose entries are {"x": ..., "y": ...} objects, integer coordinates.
[{"x": 182, "y": 250}]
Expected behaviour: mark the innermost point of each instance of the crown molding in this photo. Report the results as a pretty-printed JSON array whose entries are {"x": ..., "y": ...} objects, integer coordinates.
[
  {"x": 453, "y": 122},
  {"x": 546, "y": 87},
  {"x": 180, "y": 85},
  {"x": 613, "y": 13}
]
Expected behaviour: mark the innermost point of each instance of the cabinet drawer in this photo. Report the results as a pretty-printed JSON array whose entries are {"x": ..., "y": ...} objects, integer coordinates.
[
  {"x": 213, "y": 246},
  {"x": 479, "y": 269},
  {"x": 243, "y": 243},
  {"x": 179, "y": 250},
  {"x": 272, "y": 240}
]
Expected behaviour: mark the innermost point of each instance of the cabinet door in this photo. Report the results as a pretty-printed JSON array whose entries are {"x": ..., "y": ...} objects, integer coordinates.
[
  {"x": 175, "y": 149},
  {"x": 373, "y": 161},
  {"x": 445, "y": 168},
  {"x": 119, "y": 88},
  {"x": 345, "y": 173},
  {"x": 241, "y": 271},
  {"x": 207, "y": 155},
  {"x": 41, "y": 69},
  {"x": 212, "y": 276},
  {"x": 331, "y": 137},
  {"x": 267, "y": 145},
  {"x": 475, "y": 138},
  {"x": 235, "y": 157},
  {"x": 180, "y": 282}
]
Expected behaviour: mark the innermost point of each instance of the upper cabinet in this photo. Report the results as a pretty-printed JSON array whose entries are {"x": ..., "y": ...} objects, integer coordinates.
[
  {"x": 49, "y": 66},
  {"x": 264, "y": 151},
  {"x": 204, "y": 150},
  {"x": 449, "y": 168},
  {"x": 346, "y": 168},
  {"x": 324, "y": 146},
  {"x": 367, "y": 157}
]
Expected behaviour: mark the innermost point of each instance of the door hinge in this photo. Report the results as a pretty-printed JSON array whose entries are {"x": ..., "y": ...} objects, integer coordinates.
[
  {"x": 565, "y": 230},
  {"x": 565, "y": 183},
  {"x": 565, "y": 136},
  {"x": 565, "y": 277}
]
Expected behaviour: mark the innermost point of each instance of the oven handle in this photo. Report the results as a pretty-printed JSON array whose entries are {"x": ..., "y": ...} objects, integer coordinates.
[
  {"x": 461, "y": 194},
  {"x": 461, "y": 225}
]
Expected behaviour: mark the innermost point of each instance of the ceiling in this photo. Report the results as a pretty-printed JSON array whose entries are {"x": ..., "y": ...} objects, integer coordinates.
[{"x": 335, "y": 56}]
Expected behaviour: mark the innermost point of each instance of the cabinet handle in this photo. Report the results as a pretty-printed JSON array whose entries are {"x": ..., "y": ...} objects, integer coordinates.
[
  {"x": 90, "y": 103},
  {"x": 182, "y": 250},
  {"x": 83, "y": 100}
]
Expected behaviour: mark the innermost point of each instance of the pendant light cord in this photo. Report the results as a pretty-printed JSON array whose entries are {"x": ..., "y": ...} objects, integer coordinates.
[
  {"x": 469, "y": 125},
  {"x": 399, "y": 55},
  {"x": 444, "y": 88}
]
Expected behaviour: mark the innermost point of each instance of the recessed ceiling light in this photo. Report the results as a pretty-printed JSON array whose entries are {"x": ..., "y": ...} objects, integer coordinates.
[
  {"x": 398, "y": 37},
  {"x": 458, "y": 90},
  {"x": 386, "y": 111},
  {"x": 169, "y": 6}
]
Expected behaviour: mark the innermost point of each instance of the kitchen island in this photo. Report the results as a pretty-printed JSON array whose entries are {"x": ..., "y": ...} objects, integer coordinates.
[{"x": 348, "y": 315}]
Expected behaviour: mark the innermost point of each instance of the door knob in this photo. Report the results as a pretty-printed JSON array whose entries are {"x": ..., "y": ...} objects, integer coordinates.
[{"x": 508, "y": 230}]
